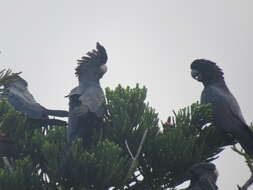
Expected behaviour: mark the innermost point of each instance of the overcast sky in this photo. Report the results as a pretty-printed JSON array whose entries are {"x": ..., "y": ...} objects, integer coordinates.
[{"x": 148, "y": 42}]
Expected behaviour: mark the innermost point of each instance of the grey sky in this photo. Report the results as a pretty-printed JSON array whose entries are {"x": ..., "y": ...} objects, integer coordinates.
[{"x": 149, "y": 42}]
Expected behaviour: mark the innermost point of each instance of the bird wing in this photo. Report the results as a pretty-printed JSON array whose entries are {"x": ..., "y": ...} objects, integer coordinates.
[
  {"x": 74, "y": 91},
  {"x": 228, "y": 117},
  {"x": 226, "y": 110},
  {"x": 94, "y": 99},
  {"x": 23, "y": 101}
]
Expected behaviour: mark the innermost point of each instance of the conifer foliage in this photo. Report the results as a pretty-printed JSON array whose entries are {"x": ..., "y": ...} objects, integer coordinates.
[{"x": 130, "y": 151}]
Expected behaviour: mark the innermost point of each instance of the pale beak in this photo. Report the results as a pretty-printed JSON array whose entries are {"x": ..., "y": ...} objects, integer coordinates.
[
  {"x": 196, "y": 74},
  {"x": 102, "y": 71},
  {"x": 103, "y": 68}
]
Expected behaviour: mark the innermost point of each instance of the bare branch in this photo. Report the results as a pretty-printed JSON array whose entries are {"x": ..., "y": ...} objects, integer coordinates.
[
  {"x": 128, "y": 149},
  {"x": 7, "y": 164},
  {"x": 135, "y": 159},
  {"x": 249, "y": 162}
]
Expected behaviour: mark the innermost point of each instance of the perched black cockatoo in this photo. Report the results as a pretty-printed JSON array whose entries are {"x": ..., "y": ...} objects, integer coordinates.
[
  {"x": 203, "y": 176},
  {"x": 87, "y": 101},
  {"x": 18, "y": 95},
  {"x": 226, "y": 111}
]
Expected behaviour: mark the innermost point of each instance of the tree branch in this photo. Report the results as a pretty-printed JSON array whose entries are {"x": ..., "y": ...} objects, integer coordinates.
[
  {"x": 135, "y": 159},
  {"x": 248, "y": 183},
  {"x": 249, "y": 162},
  {"x": 7, "y": 164}
]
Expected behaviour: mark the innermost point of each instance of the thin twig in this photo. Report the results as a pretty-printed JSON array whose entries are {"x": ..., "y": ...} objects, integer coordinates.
[
  {"x": 7, "y": 164},
  {"x": 248, "y": 183},
  {"x": 128, "y": 149},
  {"x": 135, "y": 159},
  {"x": 249, "y": 162}
]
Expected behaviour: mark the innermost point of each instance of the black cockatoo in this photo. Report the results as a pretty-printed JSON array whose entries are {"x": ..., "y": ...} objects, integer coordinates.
[
  {"x": 87, "y": 101},
  {"x": 18, "y": 95},
  {"x": 203, "y": 176},
  {"x": 226, "y": 111}
]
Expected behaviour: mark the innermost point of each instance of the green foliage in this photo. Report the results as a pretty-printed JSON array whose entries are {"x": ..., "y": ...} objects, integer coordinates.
[
  {"x": 46, "y": 161},
  {"x": 165, "y": 155},
  {"x": 128, "y": 116},
  {"x": 168, "y": 154},
  {"x": 25, "y": 176}
]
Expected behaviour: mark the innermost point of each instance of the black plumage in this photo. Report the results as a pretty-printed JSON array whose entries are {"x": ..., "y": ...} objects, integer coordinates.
[
  {"x": 87, "y": 101},
  {"x": 17, "y": 93},
  {"x": 203, "y": 176},
  {"x": 226, "y": 111}
]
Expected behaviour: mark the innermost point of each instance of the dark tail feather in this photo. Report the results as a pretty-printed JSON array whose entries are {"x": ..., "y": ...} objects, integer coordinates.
[
  {"x": 64, "y": 156},
  {"x": 57, "y": 113},
  {"x": 245, "y": 138},
  {"x": 54, "y": 122},
  {"x": 48, "y": 122}
]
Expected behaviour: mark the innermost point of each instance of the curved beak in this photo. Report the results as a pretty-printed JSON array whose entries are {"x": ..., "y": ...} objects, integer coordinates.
[
  {"x": 196, "y": 75},
  {"x": 102, "y": 71},
  {"x": 103, "y": 68}
]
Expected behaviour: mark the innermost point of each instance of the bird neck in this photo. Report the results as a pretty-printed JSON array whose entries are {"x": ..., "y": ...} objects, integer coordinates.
[
  {"x": 215, "y": 80},
  {"x": 88, "y": 79},
  {"x": 218, "y": 84},
  {"x": 88, "y": 83}
]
